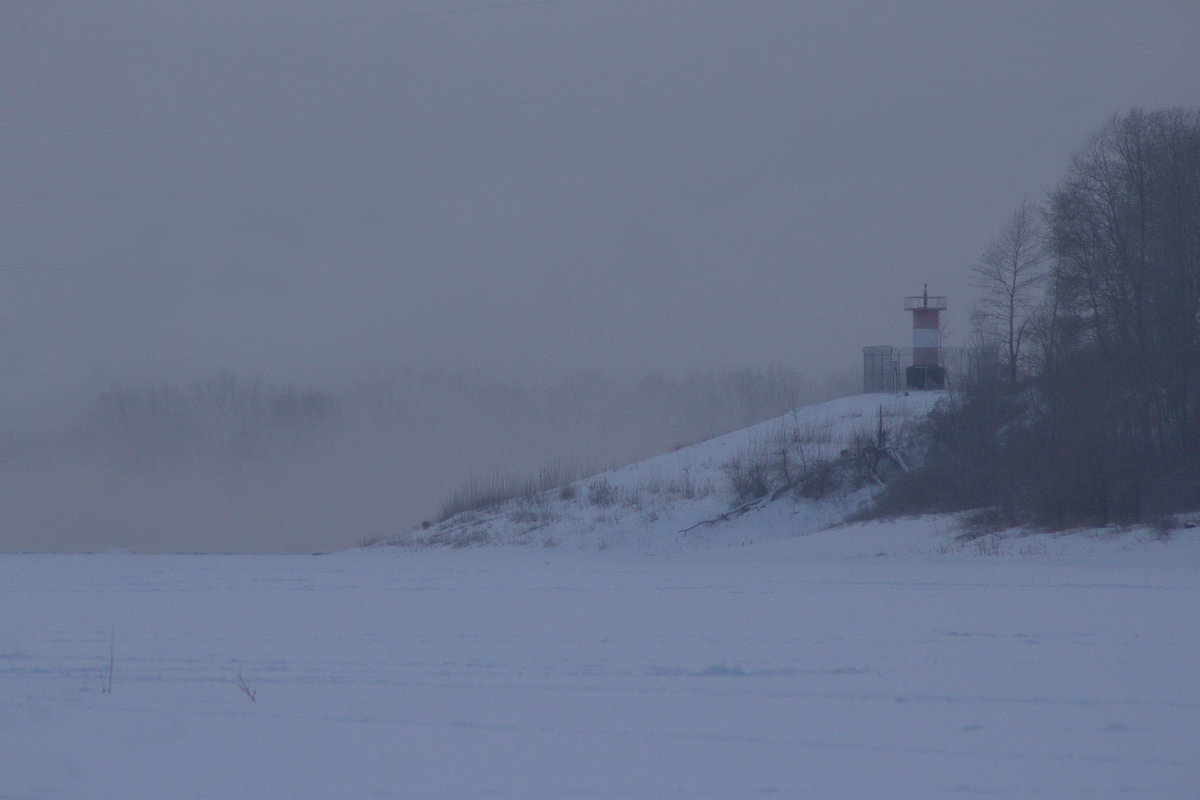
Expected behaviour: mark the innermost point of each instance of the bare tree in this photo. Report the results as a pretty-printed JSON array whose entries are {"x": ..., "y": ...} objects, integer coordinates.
[
  {"x": 1125, "y": 233},
  {"x": 1010, "y": 273},
  {"x": 1107, "y": 426}
]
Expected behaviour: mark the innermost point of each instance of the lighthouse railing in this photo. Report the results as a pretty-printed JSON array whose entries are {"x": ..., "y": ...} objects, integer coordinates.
[{"x": 924, "y": 302}]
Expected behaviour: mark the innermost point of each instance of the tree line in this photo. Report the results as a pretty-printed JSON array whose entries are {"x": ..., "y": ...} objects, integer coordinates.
[{"x": 1086, "y": 405}]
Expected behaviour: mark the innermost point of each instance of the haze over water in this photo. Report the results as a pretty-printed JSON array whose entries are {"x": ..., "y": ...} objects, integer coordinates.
[{"x": 320, "y": 194}]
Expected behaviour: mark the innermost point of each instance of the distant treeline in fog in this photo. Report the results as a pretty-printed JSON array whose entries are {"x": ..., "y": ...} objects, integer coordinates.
[{"x": 231, "y": 463}]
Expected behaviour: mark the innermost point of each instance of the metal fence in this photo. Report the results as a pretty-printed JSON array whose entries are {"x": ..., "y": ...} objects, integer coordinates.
[{"x": 884, "y": 366}]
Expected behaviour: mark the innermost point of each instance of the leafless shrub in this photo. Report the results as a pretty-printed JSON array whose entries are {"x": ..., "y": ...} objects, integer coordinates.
[
  {"x": 780, "y": 465},
  {"x": 749, "y": 474},
  {"x": 601, "y": 493},
  {"x": 681, "y": 485},
  {"x": 241, "y": 683},
  {"x": 807, "y": 458},
  {"x": 459, "y": 538},
  {"x": 1163, "y": 525},
  {"x": 820, "y": 479},
  {"x": 656, "y": 485},
  {"x": 523, "y": 516},
  {"x": 106, "y": 682},
  {"x": 406, "y": 539},
  {"x": 532, "y": 512},
  {"x": 990, "y": 545},
  {"x": 481, "y": 493},
  {"x": 632, "y": 496},
  {"x": 810, "y": 431},
  {"x": 982, "y": 522}
]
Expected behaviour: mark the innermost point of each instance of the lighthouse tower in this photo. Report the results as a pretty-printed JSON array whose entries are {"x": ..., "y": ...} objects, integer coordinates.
[{"x": 926, "y": 371}]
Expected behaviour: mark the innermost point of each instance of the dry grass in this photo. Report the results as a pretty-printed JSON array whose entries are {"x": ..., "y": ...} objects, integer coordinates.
[{"x": 478, "y": 493}]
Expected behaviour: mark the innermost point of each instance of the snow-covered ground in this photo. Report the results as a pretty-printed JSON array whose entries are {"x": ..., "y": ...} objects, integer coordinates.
[
  {"x": 615, "y": 656},
  {"x": 877, "y": 660}
]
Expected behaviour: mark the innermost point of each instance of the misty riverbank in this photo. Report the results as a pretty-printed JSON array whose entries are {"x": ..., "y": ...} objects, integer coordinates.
[{"x": 230, "y": 464}]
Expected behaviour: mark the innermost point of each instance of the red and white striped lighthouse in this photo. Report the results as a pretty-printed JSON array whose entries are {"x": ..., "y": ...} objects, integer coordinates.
[{"x": 927, "y": 371}]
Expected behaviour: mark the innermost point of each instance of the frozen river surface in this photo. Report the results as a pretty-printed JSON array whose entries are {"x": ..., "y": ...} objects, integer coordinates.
[{"x": 745, "y": 672}]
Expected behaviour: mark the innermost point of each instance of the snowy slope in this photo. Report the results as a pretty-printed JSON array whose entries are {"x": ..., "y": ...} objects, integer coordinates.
[{"x": 664, "y": 503}]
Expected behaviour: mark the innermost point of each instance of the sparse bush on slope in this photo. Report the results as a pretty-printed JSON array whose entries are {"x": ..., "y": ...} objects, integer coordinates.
[
  {"x": 478, "y": 494},
  {"x": 815, "y": 460}
]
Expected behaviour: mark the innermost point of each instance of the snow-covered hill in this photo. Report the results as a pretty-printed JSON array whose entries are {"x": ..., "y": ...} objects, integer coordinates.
[{"x": 684, "y": 499}]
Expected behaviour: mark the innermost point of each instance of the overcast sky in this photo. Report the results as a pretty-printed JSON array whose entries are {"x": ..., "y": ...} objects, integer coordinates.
[{"x": 309, "y": 190}]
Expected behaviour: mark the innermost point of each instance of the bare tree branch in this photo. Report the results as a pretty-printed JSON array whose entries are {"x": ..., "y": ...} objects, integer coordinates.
[{"x": 1010, "y": 274}]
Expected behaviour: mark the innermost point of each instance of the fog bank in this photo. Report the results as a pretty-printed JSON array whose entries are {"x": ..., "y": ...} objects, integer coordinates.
[{"x": 230, "y": 464}]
